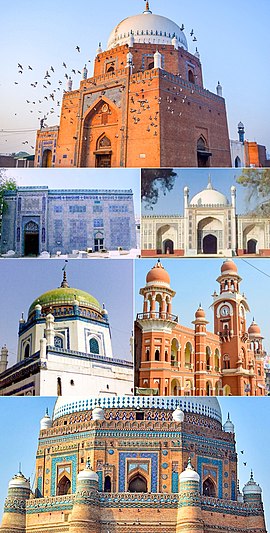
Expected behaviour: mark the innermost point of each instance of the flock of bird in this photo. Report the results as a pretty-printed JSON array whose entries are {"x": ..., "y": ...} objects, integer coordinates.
[{"x": 52, "y": 86}]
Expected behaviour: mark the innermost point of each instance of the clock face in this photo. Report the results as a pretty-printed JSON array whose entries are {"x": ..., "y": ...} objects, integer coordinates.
[{"x": 225, "y": 311}]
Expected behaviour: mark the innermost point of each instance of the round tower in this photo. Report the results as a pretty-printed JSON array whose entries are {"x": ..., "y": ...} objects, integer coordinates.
[
  {"x": 14, "y": 517},
  {"x": 252, "y": 492},
  {"x": 189, "y": 517},
  {"x": 241, "y": 132},
  {"x": 202, "y": 359},
  {"x": 85, "y": 513}
]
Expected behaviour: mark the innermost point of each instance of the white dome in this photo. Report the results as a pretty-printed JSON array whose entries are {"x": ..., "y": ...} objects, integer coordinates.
[
  {"x": 251, "y": 487},
  {"x": 209, "y": 196},
  {"x": 206, "y": 406},
  {"x": 87, "y": 474},
  {"x": 147, "y": 28},
  {"x": 189, "y": 474},
  {"x": 228, "y": 426},
  {"x": 178, "y": 415},
  {"x": 46, "y": 421},
  {"x": 19, "y": 481}
]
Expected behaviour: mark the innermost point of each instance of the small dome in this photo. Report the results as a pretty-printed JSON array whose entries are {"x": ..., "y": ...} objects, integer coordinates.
[
  {"x": 19, "y": 481},
  {"x": 189, "y": 474},
  {"x": 228, "y": 426},
  {"x": 229, "y": 266},
  {"x": 158, "y": 274},
  {"x": 240, "y": 125},
  {"x": 209, "y": 197},
  {"x": 46, "y": 421},
  {"x": 200, "y": 313},
  {"x": 147, "y": 28},
  {"x": 254, "y": 330},
  {"x": 87, "y": 474},
  {"x": 98, "y": 414},
  {"x": 178, "y": 415},
  {"x": 251, "y": 487}
]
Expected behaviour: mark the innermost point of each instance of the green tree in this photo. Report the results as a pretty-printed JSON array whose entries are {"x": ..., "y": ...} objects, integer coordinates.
[
  {"x": 6, "y": 184},
  {"x": 257, "y": 182},
  {"x": 154, "y": 181}
]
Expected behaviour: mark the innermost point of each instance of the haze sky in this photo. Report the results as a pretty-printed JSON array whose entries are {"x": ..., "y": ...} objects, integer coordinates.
[
  {"x": 233, "y": 39},
  {"x": 110, "y": 282},
  {"x": 21, "y": 417},
  {"x": 194, "y": 281}
]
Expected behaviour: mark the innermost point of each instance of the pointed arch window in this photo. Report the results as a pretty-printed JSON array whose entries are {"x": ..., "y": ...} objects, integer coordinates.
[{"x": 94, "y": 346}]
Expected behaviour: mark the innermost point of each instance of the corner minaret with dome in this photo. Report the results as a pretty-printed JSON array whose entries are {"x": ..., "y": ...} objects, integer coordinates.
[
  {"x": 149, "y": 465},
  {"x": 64, "y": 347},
  {"x": 173, "y": 359},
  {"x": 144, "y": 105}
]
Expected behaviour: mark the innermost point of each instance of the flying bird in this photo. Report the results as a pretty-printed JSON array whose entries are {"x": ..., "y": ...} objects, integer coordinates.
[
  {"x": 78, "y": 48},
  {"x": 29, "y": 67},
  {"x": 192, "y": 33},
  {"x": 20, "y": 66},
  {"x": 64, "y": 65}
]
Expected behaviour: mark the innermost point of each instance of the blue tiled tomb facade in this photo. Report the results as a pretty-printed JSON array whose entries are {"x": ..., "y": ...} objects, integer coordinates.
[{"x": 37, "y": 219}]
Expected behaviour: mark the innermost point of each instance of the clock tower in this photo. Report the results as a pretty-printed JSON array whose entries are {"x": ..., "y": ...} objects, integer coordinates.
[{"x": 230, "y": 307}]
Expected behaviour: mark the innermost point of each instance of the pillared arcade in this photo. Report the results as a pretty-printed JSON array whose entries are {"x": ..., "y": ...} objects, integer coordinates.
[
  {"x": 145, "y": 105},
  {"x": 172, "y": 359}
]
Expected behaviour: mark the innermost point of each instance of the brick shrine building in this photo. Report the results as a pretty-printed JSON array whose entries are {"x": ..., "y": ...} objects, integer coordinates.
[
  {"x": 172, "y": 359},
  {"x": 135, "y": 465},
  {"x": 145, "y": 105}
]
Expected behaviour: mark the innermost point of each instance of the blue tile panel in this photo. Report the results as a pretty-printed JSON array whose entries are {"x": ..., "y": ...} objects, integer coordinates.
[{"x": 123, "y": 456}]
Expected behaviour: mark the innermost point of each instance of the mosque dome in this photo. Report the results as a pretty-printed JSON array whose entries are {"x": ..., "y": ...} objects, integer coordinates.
[
  {"x": 65, "y": 295},
  {"x": 209, "y": 196},
  {"x": 254, "y": 330},
  {"x": 98, "y": 413},
  {"x": 19, "y": 481},
  {"x": 228, "y": 426},
  {"x": 158, "y": 274},
  {"x": 87, "y": 474},
  {"x": 251, "y": 487},
  {"x": 147, "y": 28},
  {"x": 205, "y": 406},
  {"x": 189, "y": 474},
  {"x": 200, "y": 313}
]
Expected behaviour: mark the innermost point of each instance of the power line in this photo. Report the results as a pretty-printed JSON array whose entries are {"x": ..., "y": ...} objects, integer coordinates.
[{"x": 259, "y": 270}]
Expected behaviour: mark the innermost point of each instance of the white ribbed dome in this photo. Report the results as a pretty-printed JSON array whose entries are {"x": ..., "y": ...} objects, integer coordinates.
[
  {"x": 251, "y": 487},
  {"x": 209, "y": 196},
  {"x": 146, "y": 28},
  {"x": 228, "y": 426},
  {"x": 46, "y": 421},
  {"x": 189, "y": 474},
  {"x": 178, "y": 415},
  {"x": 19, "y": 481},
  {"x": 98, "y": 413}
]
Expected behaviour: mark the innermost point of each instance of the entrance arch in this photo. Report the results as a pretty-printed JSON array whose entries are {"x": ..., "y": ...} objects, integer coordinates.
[
  {"x": 103, "y": 152},
  {"x": 210, "y": 244},
  {"x": 203, "y": 155},
  {"x": 137, "y": 484},
  {"x": 252, "y": 246},
  {"x": 31, "y": 239},
  {"x": 237, "y": 162},
  {"x": 168, "y": 247},
  {"x": 209, "y": 488},
  {"x": 47, "y": 159},
  {"x": 64, "y": 486}
]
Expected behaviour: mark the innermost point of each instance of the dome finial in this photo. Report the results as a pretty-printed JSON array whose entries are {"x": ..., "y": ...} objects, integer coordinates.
[
  {"x": 147, "y": 7},
  {"x": 64, "y": 284},
  {"x": 209, "y": 186}
]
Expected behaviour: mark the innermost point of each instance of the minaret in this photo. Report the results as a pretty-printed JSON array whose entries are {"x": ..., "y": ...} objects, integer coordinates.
[
  {"x": 219, "y": 89},
  {"x": 69, "y": 84},
  {"x": 14, "y": 517},
  {"x": 189, "y": 517},
  {"x": 157, "y": 60},
  {"x": 85, "y": 516},
  {"x": 85, "y": 72},
  {"x": 201, "y": 363},
  {"x": 3, "y": 359},
  {"x": 241, "y": 132}
]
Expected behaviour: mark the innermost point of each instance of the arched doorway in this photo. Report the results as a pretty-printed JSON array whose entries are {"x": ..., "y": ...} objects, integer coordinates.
[
  {"x": 237, "y": 162},
  {"x": 210, "y": 244},
  {"x": 98, "y": 241},
  {"x": 209, "y": 488},
  {"x": 31, "y": 239},
  {"x": 47, "y": 158},
  {"x": 137, "y": 484},
  {"x": 168, "y": 247},
  {"x": 64, "y": 486},
  {"x": 103, "y": 152},
  {"x": 191, "y": 78},
  {"x": 107, "y": 484},
  {"x": 252, "y": 246},
  {"x": 175, "y": 388},
  {"x": 203, "y": 154}
]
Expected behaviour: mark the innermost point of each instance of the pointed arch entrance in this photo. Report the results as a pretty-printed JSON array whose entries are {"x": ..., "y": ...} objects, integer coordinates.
[
  {"x": 47, "y": 159},
  {"x": 252, "y": 246},
  {"x": 209, "y": 488},
  {"x": 168, "y": 247},
  {"x": 210, "y": 244},
  {"x": 31, "y": 239},
  {"x": 203, "y": 154},
  {"x": 103, "y": 152},
  {"x": 137, "y": 484}
]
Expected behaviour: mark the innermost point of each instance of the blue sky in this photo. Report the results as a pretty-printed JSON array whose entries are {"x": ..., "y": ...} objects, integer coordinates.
[
  {"x": 197, "y": 179},
  {"x": 194, "y": 281},
  {"x": 111, "y": 282},
  {"x": 21, "y": 416},
  {"x": 232, "y": 37},
  {"x": 70, "y": 178}
]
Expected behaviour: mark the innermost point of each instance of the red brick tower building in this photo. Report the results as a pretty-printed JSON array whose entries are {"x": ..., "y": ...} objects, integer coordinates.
[
  {"x": 145, "y": 106},
  {"x": 172, "y": 359}
]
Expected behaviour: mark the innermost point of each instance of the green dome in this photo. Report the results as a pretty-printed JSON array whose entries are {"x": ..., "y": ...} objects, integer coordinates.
[{"x": 65, "y": 295}]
